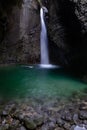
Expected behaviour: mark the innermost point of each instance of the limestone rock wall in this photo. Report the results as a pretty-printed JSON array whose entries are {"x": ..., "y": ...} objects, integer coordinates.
[
  {"x": 67, "y": 30},
  {"x": 21, "y": 42},
  {"x": 67, "y": 33}
]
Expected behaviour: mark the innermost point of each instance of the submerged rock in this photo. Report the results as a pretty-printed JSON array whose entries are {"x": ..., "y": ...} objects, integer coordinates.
[
  {"x": 4, "y": 127},
  {"x": 83, "y": 114},
  {"x": 29, "y": 123},
  {"x": 66, "y": 126},
  {"x": 75, "y": 118},
  {"x": 39, "y": 116},
  {"x": 14, "y": 124},
  {"x": 21, "y": 128},
  {"x": 8, "y": 109},
  {"x": 80, "y": 128},
  {"x": 60, "y": 122}
]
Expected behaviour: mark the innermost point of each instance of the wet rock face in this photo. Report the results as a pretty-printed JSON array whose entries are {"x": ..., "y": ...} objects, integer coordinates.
[
  {"x": 56, "y": 35},
  {"x": 81, "y": 13},
  {"x": 67, "y": 31},
  {"x": 21, "y": 41}
]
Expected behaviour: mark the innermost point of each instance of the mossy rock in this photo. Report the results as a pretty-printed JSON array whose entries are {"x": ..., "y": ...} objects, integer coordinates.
[{"x": 29, "y": 123}]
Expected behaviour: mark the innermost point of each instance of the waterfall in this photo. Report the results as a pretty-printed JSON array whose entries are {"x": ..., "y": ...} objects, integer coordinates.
[{"x": 43, "y": 39}]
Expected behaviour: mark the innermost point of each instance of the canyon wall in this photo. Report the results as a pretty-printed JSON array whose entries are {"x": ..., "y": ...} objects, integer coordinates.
[
  {"x": 67, "y": 33},
  {"x": 20, "y": 43}
]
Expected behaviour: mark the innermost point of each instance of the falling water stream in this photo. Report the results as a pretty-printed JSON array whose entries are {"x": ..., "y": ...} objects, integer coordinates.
[{"x": 43, "y": 39}]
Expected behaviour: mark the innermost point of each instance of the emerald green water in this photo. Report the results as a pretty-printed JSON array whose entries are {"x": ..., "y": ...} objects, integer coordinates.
[{"x": 35, "y": 82}]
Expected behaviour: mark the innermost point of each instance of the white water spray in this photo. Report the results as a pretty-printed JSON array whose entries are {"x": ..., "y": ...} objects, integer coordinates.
[{"x": 43, "y": 39}]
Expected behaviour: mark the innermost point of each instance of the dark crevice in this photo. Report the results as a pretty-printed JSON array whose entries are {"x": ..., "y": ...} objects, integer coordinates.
[
  {"x": 68, "y": 19},
  {"x": 57, "y": 55},
  {"x": 74, "y": 38}
]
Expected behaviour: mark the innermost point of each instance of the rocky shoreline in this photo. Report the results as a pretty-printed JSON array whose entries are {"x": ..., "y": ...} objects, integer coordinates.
[{"x": 39, "y": 115}]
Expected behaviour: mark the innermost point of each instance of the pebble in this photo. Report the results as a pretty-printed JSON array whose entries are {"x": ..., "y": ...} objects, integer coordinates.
[
  {"x": 60, "y": 122},
  {"x": 83, "y": 115},
  {"x": 66, "y": 126},
  {"x": 75, "y": 118},
  {"x": 26, "y": 116},
  {"x": 79, "y": 128},
  {"x": 22, "y": 128},
  {"x": 51, "y": 125},
  {"x": 29, "y": 123}
]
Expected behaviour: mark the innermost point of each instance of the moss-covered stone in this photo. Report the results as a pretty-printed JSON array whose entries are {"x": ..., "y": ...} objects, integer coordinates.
[{"x": 29, "y": 123}]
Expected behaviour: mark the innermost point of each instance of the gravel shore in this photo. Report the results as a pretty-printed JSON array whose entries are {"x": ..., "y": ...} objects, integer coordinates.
[{"x": 37, "y": 114}]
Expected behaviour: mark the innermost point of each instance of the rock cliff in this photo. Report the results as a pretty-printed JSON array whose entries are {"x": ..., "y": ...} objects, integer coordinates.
[
  {"x": 67, "y": 32},
  {"x": 20, "y": 43}
]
